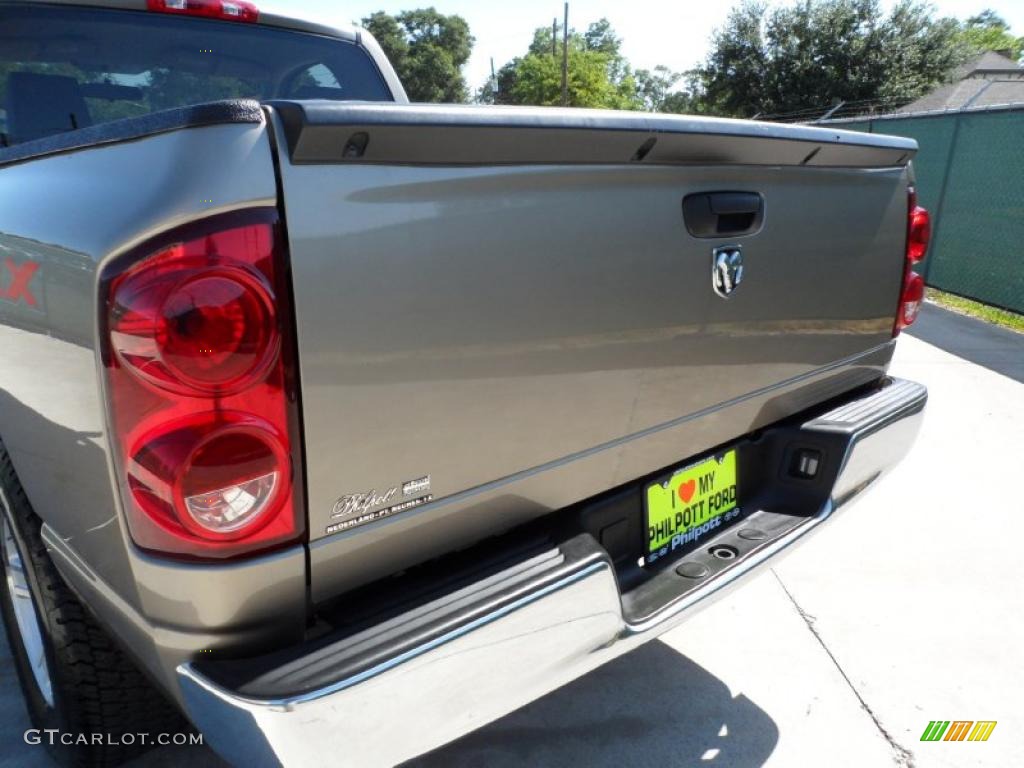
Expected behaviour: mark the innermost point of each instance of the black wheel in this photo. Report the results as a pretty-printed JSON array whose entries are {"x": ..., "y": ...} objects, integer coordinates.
[{"x": 73, "y": 676}]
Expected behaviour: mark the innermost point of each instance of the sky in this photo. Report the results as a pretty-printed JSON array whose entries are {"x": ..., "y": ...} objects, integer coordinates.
[{"x": 670, "y": 32}]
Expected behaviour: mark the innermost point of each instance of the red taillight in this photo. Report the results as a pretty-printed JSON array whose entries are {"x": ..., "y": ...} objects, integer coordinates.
[
  {"x": 199, "y": 371},
  {"x": 227, "y": 10},
  {"x": 919, "y": 229}
]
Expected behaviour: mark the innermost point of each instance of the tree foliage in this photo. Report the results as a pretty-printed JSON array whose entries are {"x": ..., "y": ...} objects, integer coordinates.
[
  {"x": 988, "y": 31},
  {"x": 427, "y": 49},
  {"x": 820, "y": 52},
  {"x": 657, "y": 90},
  {"x": 598, "y": 74}
]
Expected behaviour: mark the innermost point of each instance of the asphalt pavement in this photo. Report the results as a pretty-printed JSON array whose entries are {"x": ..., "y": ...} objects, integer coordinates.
[{"x": 906, "y": 609}]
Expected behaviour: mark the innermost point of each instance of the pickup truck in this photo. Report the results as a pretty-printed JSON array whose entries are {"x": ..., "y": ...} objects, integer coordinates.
[{"x": 335, "y": 425}]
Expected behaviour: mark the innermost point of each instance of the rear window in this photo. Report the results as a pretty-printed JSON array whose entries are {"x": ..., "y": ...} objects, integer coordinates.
[{"x": 63, "y": 68}]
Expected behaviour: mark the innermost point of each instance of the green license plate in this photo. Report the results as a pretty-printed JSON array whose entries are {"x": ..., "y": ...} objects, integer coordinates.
[{"x": 692, "y": 504}]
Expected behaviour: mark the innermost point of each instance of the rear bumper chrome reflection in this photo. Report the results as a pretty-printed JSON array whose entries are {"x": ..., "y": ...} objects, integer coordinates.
[{"x": 481, "y": 653}]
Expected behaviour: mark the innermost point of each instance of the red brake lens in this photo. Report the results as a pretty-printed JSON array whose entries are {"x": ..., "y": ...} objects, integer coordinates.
[
  {"x": 198, "y": 368},
  {"x": 226, "y": 10},
  {"x": 919, "y": 233},
  {"x": 185, "y": 324},
  {"x": 216, "y": 330}
]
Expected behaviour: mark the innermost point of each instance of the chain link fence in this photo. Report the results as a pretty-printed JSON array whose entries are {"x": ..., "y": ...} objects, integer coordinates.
[{"x": 970, "y": 176}]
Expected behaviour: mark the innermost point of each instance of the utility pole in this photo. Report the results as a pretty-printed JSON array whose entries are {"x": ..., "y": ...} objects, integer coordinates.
[
  {"x": 565, "y": 59},
  {"x": 554, "y": 36},
  {"x": 494, "y": 82}
]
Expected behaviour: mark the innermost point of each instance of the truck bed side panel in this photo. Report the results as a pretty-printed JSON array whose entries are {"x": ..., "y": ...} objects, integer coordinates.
[{"x": 65, "y": 210}]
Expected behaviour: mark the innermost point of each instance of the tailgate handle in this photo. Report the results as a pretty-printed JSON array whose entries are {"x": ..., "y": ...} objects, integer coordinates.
[{"x": 719, "y": 214}]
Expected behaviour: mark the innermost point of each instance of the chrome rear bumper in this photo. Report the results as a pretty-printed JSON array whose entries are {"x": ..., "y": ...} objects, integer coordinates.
[{"x": 483, "y": 651}]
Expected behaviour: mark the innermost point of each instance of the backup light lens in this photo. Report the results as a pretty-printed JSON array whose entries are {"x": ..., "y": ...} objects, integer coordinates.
[
  {"x": 228, "y": 509},
  {"x": 913, "y": 297},
  {"x": 230, "y": 481}
]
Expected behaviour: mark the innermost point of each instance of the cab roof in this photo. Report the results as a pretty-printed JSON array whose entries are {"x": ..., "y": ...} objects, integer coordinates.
[{"x": 271, "y": 14}]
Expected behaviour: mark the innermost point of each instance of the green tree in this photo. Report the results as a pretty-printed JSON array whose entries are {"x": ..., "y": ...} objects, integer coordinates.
[
  {"x": 598, "y": 74},
  {"x": 656, "y": 90},
  {"x": 427, "y": 49},
  {"x": 988, "y": 31},
  {"x": 820, "y": 52}
]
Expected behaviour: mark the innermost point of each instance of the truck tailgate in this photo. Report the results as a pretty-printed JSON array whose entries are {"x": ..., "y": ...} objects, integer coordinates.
[{"x": 500, "y": 313}]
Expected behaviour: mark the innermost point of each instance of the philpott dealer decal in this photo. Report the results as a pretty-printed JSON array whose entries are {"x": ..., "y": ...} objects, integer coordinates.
[{"x": 362, "y": 508}]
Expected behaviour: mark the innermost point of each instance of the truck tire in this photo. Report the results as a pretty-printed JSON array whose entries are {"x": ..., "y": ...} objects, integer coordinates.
[{"x": 73, "y": 676}]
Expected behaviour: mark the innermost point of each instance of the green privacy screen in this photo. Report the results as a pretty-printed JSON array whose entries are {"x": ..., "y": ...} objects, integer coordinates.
[{"x": 970, "y": 175}]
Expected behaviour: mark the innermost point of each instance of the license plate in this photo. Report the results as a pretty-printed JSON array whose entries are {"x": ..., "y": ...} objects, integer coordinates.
[{"x": 692, "y": 504}]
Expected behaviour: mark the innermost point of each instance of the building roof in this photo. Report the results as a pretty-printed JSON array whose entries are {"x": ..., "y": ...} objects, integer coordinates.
[
  {"x": 987, "y": 80},
  {"x": 989, "y": 63}
]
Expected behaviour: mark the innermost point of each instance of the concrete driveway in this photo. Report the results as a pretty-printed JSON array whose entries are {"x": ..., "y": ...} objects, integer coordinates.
[{"x": 906, "y": 609}]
